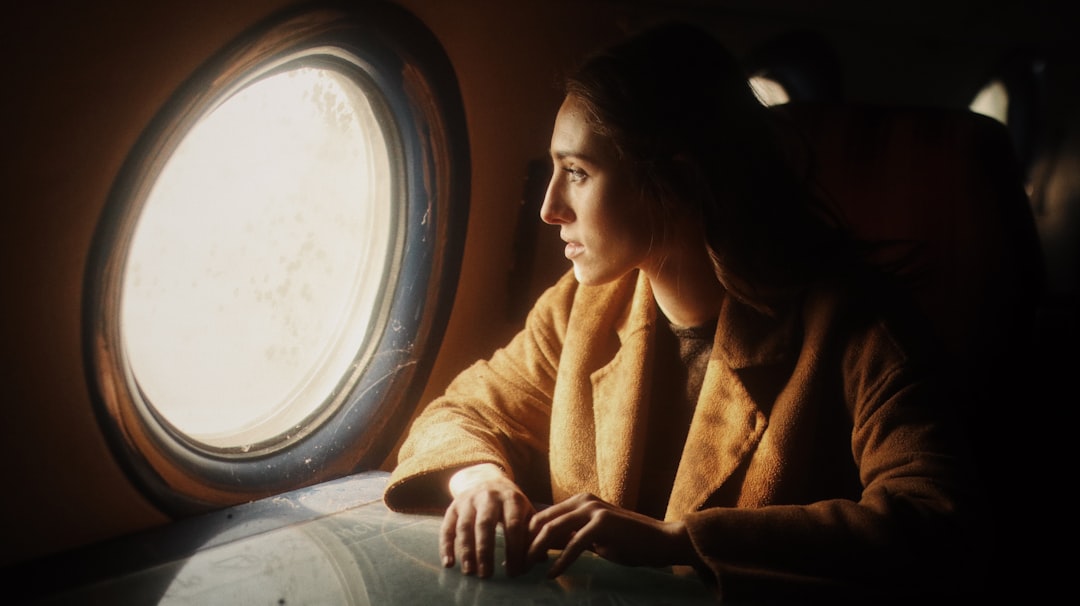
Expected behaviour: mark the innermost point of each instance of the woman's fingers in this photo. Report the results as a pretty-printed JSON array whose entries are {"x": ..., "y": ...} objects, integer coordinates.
[
  {"x": 447, "y": 536},
  {"x": 554, "y": 527},
  {"x": 585, "y": 522},
  {"x": 465, "y": 540},
  {"x": 516, "y": 533},
  {"x": 580, "y": 523},
  {"x": 543, "y": 518},
  {"x": 487, "y": 519},
  {"x": 580, "y": 541},
  {"x": 470, "y": 527}
]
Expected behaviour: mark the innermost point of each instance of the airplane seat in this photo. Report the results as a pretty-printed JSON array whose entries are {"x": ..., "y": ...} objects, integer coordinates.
[{"x": 947, "y": 183}]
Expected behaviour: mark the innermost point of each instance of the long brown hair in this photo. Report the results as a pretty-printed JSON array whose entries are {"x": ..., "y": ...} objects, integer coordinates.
[{"x": 675, "y": 102}]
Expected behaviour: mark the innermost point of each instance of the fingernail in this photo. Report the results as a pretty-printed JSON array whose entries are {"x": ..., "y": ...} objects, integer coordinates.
[
  {"x": 466, "y": 567},
  {"x": 447, "y": 561}
]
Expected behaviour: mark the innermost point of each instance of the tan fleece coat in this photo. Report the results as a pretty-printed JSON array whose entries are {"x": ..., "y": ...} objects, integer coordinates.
[{"x": 820, "y": 453}]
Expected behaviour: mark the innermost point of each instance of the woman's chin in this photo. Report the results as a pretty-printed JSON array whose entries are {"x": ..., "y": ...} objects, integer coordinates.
[
  {"x": 587, "y": 277},
  {"x": 584, "y": 276}
]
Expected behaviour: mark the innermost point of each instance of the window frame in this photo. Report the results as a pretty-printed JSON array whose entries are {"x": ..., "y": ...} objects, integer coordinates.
[{"x": 397, "y": 54}]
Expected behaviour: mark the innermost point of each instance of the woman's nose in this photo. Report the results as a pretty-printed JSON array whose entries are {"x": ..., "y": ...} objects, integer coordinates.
[{"x": 554, "y": 210}]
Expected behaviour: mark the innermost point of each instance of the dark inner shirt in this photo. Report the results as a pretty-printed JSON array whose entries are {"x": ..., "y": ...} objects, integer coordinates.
[{"x": 682, "y": 354}]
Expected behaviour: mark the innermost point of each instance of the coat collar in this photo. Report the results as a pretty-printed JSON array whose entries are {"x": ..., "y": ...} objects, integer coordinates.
[
  {"x": 745, "y": 337},
  {"x": 615, "y": 353}
]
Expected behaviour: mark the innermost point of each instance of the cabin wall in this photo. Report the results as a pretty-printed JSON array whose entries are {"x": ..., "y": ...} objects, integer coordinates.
[
  {"x": 86, "y": 78},
  {"x": 91, "y": 76},
  {"x": 97, "y": 73}
]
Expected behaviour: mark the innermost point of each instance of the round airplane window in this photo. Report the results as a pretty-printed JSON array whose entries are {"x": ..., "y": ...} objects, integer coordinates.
[
  {"x": 275, "y": 267},
  {"x": 260, "y": 259}
]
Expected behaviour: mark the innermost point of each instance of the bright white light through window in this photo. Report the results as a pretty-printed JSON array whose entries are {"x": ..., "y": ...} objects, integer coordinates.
[
  {"x": 993, "y": 101},
  {"x": 257, "y": 262},
  {"x": 769, "y": 91}
]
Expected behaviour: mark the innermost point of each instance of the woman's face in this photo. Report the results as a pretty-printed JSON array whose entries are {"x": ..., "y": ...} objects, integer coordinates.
[{"x": 593, "y": 199}]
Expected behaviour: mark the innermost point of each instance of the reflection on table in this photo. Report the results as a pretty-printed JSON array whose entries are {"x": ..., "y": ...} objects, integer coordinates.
[{"x": 338, "y": 544}]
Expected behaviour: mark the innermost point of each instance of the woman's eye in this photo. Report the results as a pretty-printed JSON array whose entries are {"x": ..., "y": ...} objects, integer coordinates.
[{"x": 576, "y": 174}]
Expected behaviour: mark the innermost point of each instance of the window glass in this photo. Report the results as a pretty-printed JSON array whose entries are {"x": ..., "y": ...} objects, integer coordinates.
[
  {"x": 259, "y": 258},
  {"x": 992, "y": 100},
  {"x": 273, "y": 272},
  {"x": 769, "y": 91}
]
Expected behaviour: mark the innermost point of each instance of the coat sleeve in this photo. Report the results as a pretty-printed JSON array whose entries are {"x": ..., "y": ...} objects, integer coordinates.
[
  {"x": 907, "y": 533},
  {"x": 496, "y": 411}
]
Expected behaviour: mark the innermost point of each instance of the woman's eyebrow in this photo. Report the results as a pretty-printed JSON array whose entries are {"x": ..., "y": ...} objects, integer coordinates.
[{"x": 572, "y": 155}]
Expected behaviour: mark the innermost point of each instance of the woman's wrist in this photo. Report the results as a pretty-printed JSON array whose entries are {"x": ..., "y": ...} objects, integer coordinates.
[
  {"x": 682, "y": 548},
  {"x": 473, "y": 475}
]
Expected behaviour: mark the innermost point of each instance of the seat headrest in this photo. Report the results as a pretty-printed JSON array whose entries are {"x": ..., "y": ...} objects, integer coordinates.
[{"x": 947, "y": 182}]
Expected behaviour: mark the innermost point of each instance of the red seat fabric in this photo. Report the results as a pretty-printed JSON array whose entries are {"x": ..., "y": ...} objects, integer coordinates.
[{"x": 946, "y": 183}]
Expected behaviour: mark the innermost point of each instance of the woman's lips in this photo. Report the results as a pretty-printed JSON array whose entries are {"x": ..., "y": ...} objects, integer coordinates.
[{"x": 574, "y": 249}]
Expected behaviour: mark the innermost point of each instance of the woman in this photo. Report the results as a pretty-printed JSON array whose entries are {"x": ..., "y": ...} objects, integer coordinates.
[{"x": 721, "y": 382}]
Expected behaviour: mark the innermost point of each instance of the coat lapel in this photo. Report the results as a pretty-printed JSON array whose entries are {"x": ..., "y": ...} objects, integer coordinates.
[
  {"x": 596, "y": 414},
  {"x": 600, "y": 404},
  {"x": 619, "y": 391},
  {"x": 728, "y": 423},
  {"x": 726, "y": 427}
]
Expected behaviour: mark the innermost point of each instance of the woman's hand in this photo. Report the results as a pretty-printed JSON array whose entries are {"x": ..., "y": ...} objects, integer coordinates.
[
  {"x": 484, "y": 498},
  {"x": 620, "y": 535}
]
